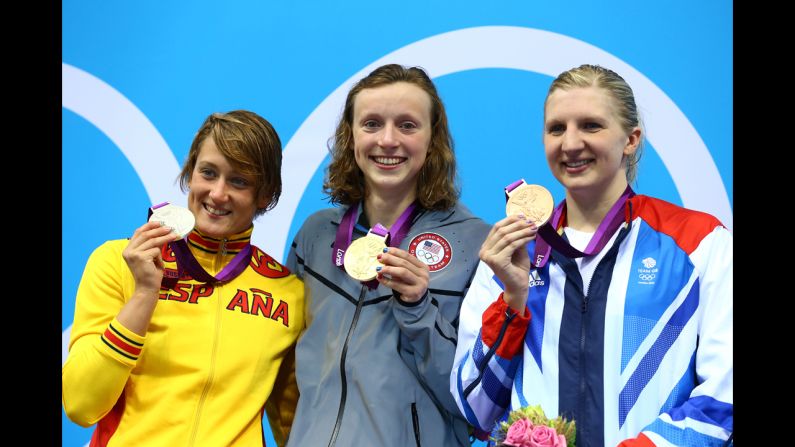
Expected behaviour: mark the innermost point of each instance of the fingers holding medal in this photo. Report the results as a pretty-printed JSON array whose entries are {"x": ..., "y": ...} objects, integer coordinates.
[
  {"x": 404, "y": 273},
  {"x": 361, "y": 258},
  {"x": 369, "y": 258},
  {"x": 142, "y": 254},
  {"x": 534, "y": 202}
]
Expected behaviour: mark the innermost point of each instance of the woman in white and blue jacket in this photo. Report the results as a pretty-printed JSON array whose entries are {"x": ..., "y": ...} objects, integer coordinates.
[{"x": 618, "y": 312}]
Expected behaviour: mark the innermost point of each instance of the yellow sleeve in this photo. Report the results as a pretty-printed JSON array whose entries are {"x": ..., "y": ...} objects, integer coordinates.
[{"x": 101, "y": 351}]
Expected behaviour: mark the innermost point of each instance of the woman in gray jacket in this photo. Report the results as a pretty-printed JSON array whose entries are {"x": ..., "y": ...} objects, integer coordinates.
[{"x": 373, "y": 365}]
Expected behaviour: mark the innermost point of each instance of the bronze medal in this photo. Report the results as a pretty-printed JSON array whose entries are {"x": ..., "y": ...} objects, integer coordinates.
[
  {"x": 533, "y": 201},
  {"x": 361, "y": 257}
]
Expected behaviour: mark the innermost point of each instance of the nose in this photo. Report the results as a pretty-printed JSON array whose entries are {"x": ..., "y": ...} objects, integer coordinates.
[
  {"x": 218, "y": 191},
  {"x": 572, "y": 141},
  {"x": 388, "y": 137}
]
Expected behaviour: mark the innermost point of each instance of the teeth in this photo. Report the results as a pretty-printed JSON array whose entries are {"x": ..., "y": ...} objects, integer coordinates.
[
  {"x": 388, "y": 160},
  {"x": 215, "y": 211},
  {"x": 575, "y": 164}
]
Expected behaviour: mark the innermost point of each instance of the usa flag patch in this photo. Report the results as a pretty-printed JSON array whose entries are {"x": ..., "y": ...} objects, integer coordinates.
[{"x": 432, "y": 249}]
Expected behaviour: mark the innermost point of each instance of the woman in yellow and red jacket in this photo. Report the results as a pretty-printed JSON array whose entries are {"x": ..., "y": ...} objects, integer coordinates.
[{"x": 189, "y": 341}]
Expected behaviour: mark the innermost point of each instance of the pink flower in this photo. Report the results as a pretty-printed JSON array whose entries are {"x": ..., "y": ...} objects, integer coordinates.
[
  {"x": 543, "y": 436},
  {"x": 519, "y": 433}
]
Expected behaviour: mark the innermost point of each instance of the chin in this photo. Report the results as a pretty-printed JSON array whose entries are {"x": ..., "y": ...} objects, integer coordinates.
[{"x": 210, "y": 230}]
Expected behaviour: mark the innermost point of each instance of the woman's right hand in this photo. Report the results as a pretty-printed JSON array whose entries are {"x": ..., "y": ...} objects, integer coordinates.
[
  {"x": 143, "y": 256},
  {"x": 505, "y": 252}
]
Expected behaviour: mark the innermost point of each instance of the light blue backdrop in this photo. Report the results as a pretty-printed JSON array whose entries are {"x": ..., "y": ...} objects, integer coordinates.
[{"x": 139, "y": 78}]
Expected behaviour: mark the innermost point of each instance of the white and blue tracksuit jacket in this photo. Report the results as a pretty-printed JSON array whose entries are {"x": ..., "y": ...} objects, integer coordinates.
[{"x": 644, "y": 357}]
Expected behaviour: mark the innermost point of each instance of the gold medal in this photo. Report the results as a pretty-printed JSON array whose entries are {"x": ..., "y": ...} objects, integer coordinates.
[
  {"x": 533, "y": 201},
  {"x": 361, "y": 258}
]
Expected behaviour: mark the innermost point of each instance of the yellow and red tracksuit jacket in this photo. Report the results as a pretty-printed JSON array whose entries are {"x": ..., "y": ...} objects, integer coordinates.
[{"x": 213, "y": 359}]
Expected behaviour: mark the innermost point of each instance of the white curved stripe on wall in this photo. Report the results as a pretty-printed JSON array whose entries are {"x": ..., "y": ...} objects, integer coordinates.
[
  {"x": 670, "y": 132},
  {"x": 129, "y": 129}
]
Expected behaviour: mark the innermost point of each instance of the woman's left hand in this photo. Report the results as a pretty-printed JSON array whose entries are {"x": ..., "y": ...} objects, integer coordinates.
[{"x": 403, "y": 273}]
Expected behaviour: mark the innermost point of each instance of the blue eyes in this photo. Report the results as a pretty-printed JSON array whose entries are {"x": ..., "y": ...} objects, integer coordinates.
[
  {"x": 237, "y": 182},
  {"x": 557, "y": 129},
  {"x": 207, "y": 173},
  {"x": 373, "y": 124}
]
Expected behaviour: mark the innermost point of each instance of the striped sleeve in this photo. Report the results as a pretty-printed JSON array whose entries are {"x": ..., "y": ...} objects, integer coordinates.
[
  {"x": 102, "y": 352},
  {"x": 705, "y": 418},
  {"x": 490, "y": 340},
  {"x": 122, "y": 344}
]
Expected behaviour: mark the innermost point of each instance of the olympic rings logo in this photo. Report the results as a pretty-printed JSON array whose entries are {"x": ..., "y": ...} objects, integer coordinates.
[
  {"x": 430, "y": 258},
  {"x": 647, "y": 276}
]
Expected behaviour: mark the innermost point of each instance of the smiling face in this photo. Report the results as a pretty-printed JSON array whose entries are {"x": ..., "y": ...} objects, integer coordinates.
[
  {"x": 221, "y": 198},
  {"x": 391, "y": 135},
  {"x": 585, "y": 144}
]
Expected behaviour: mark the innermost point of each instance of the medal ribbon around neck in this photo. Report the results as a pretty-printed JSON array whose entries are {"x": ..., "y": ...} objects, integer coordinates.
[
  {"x": 393, "y": 237},
  {"x": 187, "y": 262},
  {"x": 548, "y": 236}
]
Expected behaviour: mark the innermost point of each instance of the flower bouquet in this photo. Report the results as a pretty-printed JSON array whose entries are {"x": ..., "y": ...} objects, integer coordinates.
[{"x": 529, "y": 427}]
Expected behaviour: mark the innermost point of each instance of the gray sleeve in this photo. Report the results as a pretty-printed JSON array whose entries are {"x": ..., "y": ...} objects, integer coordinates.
[
  {"x": 428, "y": 344},
  {"x": 295, "y": 257}
]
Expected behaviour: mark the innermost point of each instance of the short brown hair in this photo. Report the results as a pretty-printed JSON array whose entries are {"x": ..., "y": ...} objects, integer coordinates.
[
  {"x": 593, "y": 75},
  {"x": 251, "y": 145},
  {"x": 437, "y": 184}
]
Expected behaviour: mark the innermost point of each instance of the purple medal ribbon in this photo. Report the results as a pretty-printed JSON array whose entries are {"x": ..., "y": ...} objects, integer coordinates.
[
  {"x": 381, "y": 231},
  {"x": 549, "y": 238},
  {"x": 513, "y": 186},
  {"x": 393, "y": 239},
  {"x": 187, "y": 262}
]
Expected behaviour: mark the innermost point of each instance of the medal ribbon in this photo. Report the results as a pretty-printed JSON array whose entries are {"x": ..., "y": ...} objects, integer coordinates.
[
  {"x": 380, "y": 231},
  {"x": 548, "y": 236},
  {"x": 393, "y": 237},
  {"x": 187, "y": 262}
]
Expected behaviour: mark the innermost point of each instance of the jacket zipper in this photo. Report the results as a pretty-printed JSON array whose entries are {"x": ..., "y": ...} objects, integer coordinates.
[
  {"x": 344, "y": 391},
  {"x": 584, "y": 321},
  {"x": 210, "y": 374},
  {"x": 219, "y": 260},
  {"x": 415, "y": 421},
  {"x": 583, "y": 324}
]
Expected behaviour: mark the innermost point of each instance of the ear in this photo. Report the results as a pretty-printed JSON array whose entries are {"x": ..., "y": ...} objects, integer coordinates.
[
  {"x": 263, "y": 202},
  {"x": 633, "y": 141}
]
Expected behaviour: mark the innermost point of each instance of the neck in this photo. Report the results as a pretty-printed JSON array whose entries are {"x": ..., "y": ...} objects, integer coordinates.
[
  {"x": 384, "y": 210},
  {"x": 584, "y": 212}
]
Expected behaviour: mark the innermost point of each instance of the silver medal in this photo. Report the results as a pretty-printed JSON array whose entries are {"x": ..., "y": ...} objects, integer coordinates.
[{"x": 179, "y": 219}]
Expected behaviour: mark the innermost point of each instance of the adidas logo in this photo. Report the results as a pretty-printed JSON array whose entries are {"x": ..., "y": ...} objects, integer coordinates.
[{"x": 535, "y": 278}]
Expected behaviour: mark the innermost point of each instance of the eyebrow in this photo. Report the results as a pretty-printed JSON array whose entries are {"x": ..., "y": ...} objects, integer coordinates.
[
  {"x": 401, "y": 117},
  {"x": 234, "y": 172}
]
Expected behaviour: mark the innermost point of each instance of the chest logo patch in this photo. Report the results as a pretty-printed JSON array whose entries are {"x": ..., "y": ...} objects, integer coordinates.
[{"x": 432, "y": 249}]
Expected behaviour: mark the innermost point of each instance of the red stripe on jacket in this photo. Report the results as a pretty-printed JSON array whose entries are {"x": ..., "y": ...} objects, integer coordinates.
[
  {"x": 493, "y": 318},
  {"x": 687, "y": 227}
]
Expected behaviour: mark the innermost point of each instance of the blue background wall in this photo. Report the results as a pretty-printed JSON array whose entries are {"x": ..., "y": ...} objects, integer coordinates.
[{"x": 139, "y": 78}]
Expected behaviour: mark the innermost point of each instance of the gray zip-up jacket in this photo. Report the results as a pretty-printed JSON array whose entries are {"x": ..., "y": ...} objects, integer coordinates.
[{"x": 373, "y": 370}]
